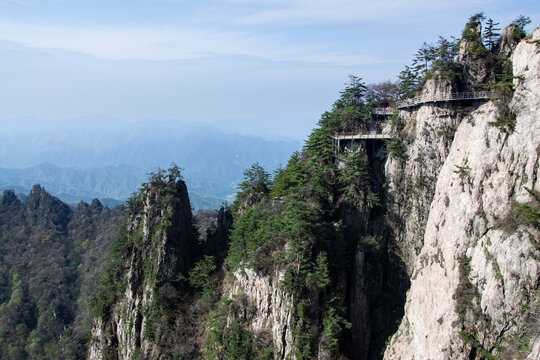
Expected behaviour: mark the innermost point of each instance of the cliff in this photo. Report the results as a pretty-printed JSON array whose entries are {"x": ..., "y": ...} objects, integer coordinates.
[
  {"x": 471, "y": 250},
  {"x": 145, "y": 305}
]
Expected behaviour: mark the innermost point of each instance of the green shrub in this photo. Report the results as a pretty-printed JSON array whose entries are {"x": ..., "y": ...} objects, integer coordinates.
[
  {"x": 506, "y": 118},
  {"x": 333, "y": 323},
  {"x": 396, "y": 148},
  {"x": 200, "y": 273},
  {"x": 521, "y": 214}
]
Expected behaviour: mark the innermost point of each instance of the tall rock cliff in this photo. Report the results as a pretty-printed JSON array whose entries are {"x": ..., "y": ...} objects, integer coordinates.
[
  {"x": 472, "y": 243},
  {"x": 144, "y": 303}
]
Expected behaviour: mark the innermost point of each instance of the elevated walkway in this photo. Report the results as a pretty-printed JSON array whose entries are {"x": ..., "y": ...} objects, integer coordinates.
[
  {"x": 360, "y": 136},
  {"x": 424, "y": 99},
  {"x": 382, "y": 111},
  {"x": 344, "y": 142}
]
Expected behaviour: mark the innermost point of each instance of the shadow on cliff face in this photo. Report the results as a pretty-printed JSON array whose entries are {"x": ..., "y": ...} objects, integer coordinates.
[{"x": 378, "y": 279}]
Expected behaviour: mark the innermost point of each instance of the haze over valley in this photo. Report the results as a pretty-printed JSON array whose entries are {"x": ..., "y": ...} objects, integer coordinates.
[{"x": 99, "y": 157}]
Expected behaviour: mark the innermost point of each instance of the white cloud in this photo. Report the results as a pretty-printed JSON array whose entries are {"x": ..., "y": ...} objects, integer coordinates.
[
  {"x": 119, "y": 43},
  {"x": 170, "y": 43},
  {"x": 295, "y": 12}
]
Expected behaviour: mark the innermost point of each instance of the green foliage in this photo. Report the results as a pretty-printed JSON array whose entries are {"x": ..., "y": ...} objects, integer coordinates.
[
  {"x": 464, "y": 296},
  {"x": 519, "y": 214},
  {"x": 297, "y": 228},
  {"x": 234, "y": 341},
  {"x": 175, "y": 173},
  {"x": 267, "y": 354},
  {"x": 464, "y": 173},
  {"x": 302, "y": 346},
  {"x": 287, "y": 181},
  {"x": 521, "y": 21},
  {"x": 237, "y": 342},
  {"x": 50, "y": 258},
  {"x": 320, "y": 146},
  {"x": 465, "y": 291},
  {"x": 216, "y": 325},
  {"x": 409, "y": 81},
  {"x": 256, "y": 180},
  {"x": 320, "y": 276},
  {"x": 349, "y": 112},
  {"x": 396, "y": 148},
  {"x": 352, "y": 96},
  {"x": 356, "y": 180},
  {"x": 251, "y": 229},
  {"x": 471, "y": 339},
  {"x": 200, "y": 273},
  {"x": 490, "y": 35},
  {"x": 333, "y": 323},
  {"x": 429, "y": 59},
  {"x": 370, "y": 243},
  {"x": 477, "y": 18},
  {"x": 506, "y": 118}
]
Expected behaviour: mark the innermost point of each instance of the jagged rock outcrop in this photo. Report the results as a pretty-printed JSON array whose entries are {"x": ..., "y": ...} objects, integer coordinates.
[
  {"x": 150, "y": 311},
  {"x": 163, "y": 246},
  {"x": 474, "y": 277},
  {"x": 510, "y": 38},
  {"x": 268, "y": 308}
]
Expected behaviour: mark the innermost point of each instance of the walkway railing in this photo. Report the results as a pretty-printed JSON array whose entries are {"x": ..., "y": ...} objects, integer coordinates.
[
  {"x": 383, "y": 111},
  {"x": 359, "y": 136},
  {"x": 470, "y": 95}
]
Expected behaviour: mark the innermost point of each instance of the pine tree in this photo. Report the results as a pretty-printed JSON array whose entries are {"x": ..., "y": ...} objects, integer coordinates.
[
  {"x": 425, "y": 56},
  {"x": 408, "y": 81},
  {"x": 521, "y": 21},
  {"x": 491, "y": 36}
]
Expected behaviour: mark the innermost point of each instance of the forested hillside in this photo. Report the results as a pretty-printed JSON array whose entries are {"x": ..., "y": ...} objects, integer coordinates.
[{"x": 50, "y": 257}]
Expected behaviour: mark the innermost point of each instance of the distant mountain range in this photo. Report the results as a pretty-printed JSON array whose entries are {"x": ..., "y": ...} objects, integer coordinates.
[{"x": 104, "y": 158}]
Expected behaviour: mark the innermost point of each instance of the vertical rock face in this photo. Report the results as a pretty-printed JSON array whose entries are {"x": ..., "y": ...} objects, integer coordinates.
[
  {"x": 428, "y": 133},
  {"x": 162, "y": 245},
  {"x": 268, "y": 308},
  {"x": 152, "y": 312},
  {"x": 510, "y": 38},
  {"x": 475, "y": 268}
]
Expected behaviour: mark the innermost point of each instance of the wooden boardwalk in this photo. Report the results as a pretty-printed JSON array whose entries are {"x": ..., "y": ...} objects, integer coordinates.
[{"x": 470, "y": 95}]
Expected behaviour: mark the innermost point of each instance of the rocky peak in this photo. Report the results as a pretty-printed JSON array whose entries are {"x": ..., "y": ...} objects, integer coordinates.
[
  {"x": 96, "y": 204},
  {"x": 474, "y": 284},
  {"x": 437, "y": 87},
  {"x": 43, "y": 207},
  {"x": 510, "y": 38},
  {"x": 155, "y": 255},
  {"x": 471, "y": 42},
  {"x": 9, "y": 199}
]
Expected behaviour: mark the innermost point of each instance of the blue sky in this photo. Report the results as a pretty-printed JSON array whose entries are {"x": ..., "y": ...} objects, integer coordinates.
[{"x": 270, "y": 66}]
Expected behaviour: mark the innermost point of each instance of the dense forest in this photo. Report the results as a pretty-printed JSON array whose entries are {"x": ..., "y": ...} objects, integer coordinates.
[{"x": 50, "y": 257}]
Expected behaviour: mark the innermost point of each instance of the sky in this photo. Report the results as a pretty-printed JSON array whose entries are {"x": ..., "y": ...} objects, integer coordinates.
[{"x": 269, "y": 67}]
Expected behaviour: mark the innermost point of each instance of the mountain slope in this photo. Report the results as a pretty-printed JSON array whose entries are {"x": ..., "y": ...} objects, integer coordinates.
[{"x": 50, "y": 256}]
